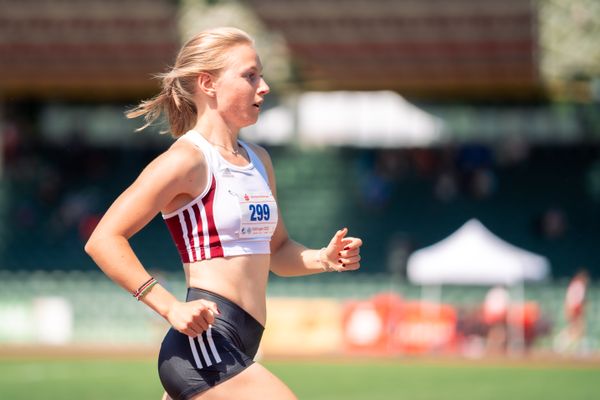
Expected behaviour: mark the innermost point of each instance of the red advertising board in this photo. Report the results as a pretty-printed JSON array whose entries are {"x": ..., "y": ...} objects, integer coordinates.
[{"x": 386, "y": 324}]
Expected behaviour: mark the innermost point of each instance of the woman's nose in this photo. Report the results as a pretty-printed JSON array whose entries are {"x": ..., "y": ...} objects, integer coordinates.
[{"x": 264, "y": 87}]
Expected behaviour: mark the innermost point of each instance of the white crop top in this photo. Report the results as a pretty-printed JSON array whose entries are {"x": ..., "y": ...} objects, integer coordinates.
[{"x": 236, "y": 214}]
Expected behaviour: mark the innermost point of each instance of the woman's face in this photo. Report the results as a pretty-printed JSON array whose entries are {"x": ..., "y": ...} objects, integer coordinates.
[{"x": 240, "y": 88}]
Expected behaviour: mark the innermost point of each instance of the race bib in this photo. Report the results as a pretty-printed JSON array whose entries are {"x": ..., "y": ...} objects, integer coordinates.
[{"x": 258, "y": 215}]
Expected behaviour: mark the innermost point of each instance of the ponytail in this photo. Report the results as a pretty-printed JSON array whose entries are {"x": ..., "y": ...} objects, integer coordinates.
[{"x": 174, "y": 102}]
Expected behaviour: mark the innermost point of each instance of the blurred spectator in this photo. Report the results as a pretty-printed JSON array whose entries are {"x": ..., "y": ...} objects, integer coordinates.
[
  {"x": 472, "y": 157},
  {"x": 392, "y": 163},
  {"x": 377, "y": 182},
  {"x": 376, "y": 191},
  {"x": 526, "y": 320},
  {"x": 482, "y": 183},
  {"x": 475, "y": 163},
  {"x": 425, "y": 161},
  {"x": 512, "y": 151},
  {"x": 471, "y": 330},
  {"x": 10, "y": 143},
  {"x": 446, "y": 187},
  {"x": 552, "y": 224},
  {"x": 75, "y": 207},
  {"x": 495, "y": 313},
  {"x": 572, "y": 336}
]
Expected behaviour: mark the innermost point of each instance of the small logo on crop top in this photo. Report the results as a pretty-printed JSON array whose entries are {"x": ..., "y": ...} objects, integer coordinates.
[{"x": 227, "y": 173}]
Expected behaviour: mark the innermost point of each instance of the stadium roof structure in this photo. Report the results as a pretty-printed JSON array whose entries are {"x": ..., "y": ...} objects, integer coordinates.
[
  {"x": 85, "y": 49},
  {"x": 420, "y": 48},
  {"x": 475, "y": 256}
]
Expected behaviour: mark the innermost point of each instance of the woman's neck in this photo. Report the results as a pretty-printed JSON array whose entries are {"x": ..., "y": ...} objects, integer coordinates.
[
  {"x": 218, "y": 133},
  {"x": 222, "y": 138}
]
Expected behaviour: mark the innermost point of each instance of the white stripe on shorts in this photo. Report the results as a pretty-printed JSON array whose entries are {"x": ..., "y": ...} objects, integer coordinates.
[
  {"x": 195, "y": 353},
  {"x": 211, "y": 343},
  {"x": 205, "y": 352}
]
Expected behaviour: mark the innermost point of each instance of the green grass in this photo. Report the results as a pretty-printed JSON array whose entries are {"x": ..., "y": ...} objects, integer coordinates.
[
  {"x": 385, "y": 380},
  {"x": 78, "y": 379},
  {"x": 424, "y": 381}
]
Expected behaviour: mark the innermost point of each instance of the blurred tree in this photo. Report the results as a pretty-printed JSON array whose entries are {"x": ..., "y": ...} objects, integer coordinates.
[{"x": 570, "y": 55}]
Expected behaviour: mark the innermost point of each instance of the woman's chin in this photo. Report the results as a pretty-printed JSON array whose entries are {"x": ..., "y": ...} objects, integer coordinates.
[{"x": 249, "y": 121}]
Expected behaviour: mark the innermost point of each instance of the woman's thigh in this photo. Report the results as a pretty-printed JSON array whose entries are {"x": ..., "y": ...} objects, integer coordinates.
[{"x": 255, "y": 382}]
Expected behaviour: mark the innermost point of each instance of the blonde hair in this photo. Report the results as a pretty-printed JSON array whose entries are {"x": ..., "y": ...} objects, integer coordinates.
[{"x": 205, "y": 52}]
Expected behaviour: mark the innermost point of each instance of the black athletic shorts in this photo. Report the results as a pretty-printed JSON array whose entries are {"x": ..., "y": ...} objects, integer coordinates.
[{"x": 188, "y": 366}]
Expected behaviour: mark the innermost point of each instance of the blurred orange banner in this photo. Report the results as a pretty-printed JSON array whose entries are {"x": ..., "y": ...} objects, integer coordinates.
[{"x": 386, "y": 325}]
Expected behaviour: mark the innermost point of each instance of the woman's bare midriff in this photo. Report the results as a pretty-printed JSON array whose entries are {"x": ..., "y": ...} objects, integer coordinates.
[{"x": 241, "y": 279}]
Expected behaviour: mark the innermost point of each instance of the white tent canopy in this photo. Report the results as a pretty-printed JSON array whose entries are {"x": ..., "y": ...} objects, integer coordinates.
[
  {"x": 365, "y": 119},
  {"x": 474, "y": 255}
]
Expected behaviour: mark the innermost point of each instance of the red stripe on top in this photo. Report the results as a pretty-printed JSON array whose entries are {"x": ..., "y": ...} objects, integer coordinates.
[
  {"x": 176, "y": 228},
  {"x": 177, "y": 234},
  {"x": 216, "y": 249}
]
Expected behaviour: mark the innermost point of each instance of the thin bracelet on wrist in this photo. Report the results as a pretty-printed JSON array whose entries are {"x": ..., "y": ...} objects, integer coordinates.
[{"x": 144, "y": 289}]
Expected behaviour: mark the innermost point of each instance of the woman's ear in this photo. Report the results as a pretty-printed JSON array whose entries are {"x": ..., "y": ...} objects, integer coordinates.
[{"x": 206, "y": 84}]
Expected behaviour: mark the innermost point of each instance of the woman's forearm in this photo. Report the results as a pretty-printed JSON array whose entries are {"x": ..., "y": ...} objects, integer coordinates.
[
  {"x": 294, "y": 259},
  {"x": 289, "y": 258},
  {"x": 114, "y": 256}
]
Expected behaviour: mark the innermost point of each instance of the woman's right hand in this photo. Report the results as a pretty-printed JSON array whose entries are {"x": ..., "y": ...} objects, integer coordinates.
[{"x": 193, "y": 317}]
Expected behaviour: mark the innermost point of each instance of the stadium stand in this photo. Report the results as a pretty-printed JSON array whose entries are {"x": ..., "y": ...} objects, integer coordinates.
[
  {"x": 461, "y": 49},
  {"x": 88, "y": 49},
  {"x": 544, "y": 202}
]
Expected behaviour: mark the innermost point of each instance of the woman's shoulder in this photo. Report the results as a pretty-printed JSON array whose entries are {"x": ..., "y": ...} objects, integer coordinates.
[
  {"x": 181, "y": 160},
  {"x": 185, "y": 153}
]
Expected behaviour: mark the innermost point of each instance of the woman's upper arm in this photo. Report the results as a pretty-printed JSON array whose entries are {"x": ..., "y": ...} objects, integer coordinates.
[{"x": 178, "y": 171}]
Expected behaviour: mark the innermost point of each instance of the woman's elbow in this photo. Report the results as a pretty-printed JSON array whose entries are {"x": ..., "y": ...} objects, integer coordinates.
[
  {"x": 282, "y": 270},
  {"x": 90, "y": 246}
]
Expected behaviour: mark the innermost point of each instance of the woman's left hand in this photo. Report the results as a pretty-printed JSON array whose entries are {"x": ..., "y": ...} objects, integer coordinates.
[{"x": 342, "y": 253}]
